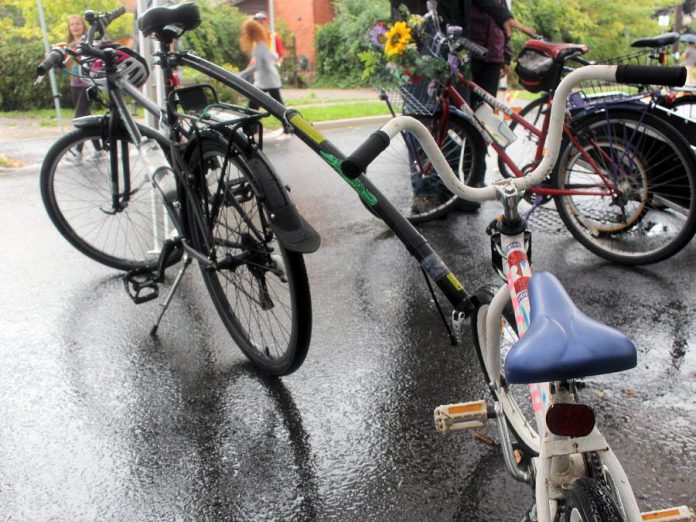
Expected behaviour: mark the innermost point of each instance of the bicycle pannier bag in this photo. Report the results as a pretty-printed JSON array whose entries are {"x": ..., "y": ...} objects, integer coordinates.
[{"x": 536, "y": 71}]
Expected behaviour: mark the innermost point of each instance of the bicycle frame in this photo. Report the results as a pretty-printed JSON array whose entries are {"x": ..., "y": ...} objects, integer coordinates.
[
  {"x": 414, "y": 242},
  {"x": 452, "y": 96}
]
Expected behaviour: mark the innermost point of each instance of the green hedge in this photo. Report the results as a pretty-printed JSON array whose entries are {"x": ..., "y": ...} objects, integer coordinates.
[{"x": 17, "y": 74}]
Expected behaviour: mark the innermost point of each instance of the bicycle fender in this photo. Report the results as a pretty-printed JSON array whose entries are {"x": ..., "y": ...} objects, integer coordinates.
[{"x": 293, "y": 230}]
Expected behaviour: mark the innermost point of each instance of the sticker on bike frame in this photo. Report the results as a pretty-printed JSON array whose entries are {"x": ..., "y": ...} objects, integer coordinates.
[
  {"x": 518, "y": 275},
  {"x": 357, "y": 185},
  {"x": 455, "y": 282},
  {"x": 307, "y": 129},
  {"x": 435, "y": 268}
]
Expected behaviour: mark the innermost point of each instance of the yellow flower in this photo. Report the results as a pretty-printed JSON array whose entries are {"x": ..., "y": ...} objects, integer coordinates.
[
  {"x": 398, "y": 38},
  {"x": 415, "y": 21}
]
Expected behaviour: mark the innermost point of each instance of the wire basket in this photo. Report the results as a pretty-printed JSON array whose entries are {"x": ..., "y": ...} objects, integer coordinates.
[
  {"x": 595, "y": 92},
  {"x": 419, "y": 98}
]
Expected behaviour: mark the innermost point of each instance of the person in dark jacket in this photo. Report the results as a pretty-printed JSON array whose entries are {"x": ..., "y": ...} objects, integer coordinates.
[{"x": 488, "y": 23}]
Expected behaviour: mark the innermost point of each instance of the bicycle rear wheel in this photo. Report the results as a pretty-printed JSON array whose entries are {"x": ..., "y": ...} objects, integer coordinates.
[
  {"x": 523, "y": 150},
  {"x": 125, "y": 232},
  {"x": 588, "y": 500},
  {"x": 643, "y": 203},
  {"x": 684, "y": 106},
  {"x": 259, "y": 288},
  {"x": 514, "y": 397},
  {"x": 396, "y": 170}
]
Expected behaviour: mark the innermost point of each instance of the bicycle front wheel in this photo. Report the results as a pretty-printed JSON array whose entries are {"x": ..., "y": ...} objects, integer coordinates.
[
  {"x": 632, "y": 187},
  {"x": 259, "y": 288},
  {"x": 404, "y": 168},
  {"x": 114, "y": 216}
]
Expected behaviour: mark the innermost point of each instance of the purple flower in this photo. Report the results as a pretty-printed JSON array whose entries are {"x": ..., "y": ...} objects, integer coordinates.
[
  {"x": 454, "y": 64},
  {"x": 377, "y": 35}
]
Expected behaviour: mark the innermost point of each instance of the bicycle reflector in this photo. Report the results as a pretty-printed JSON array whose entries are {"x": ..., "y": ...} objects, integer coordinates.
[{"x": 570, "y": 420}]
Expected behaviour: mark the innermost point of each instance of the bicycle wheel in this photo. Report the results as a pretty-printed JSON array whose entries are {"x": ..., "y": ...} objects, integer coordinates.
[
  {"x": 639, "y": 202},
  {"x": 392, "y": 171},
  {"x": 76, "y": 188},
  {"x": 523, "y": 150},
  {"x": 588, "y": 500},
  {"x": 259, "y": 288},
  {"x": 513, "y": 397},
  {"x": 684, "y": 106}
]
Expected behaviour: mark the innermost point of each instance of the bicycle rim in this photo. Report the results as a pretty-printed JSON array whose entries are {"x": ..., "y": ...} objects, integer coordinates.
[
  {"x": 513, "y": 397},
  {"x": 643, "y": 209},
  {"x": 396, "y": 170},
  {"x": 76, "y": 187},
  {"x": 259, "y": 289}
]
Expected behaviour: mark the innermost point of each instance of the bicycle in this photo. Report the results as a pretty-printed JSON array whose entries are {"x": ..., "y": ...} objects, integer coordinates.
[
  {"x": 142, "y": 201},
  {"x": 625, "y": 186},
  {"x": 583, "y": 487}
]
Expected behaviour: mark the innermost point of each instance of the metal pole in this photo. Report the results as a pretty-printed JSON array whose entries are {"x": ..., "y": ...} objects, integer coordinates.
[
  {"x": 271, "y": 16},
  {"x": 51, "y": 73}
]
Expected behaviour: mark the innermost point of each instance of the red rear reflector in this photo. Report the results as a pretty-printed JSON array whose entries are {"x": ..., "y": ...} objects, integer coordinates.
[{"x": 570, "y": 420}]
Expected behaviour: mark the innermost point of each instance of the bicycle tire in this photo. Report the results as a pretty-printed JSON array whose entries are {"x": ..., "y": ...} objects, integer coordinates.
[
  {"x": 523, "y": 150},
  {"x": 78, "y": 199},
  {"x": 391, "y": 171},
  {"x": 653, "y": 215},
  {"x": 587, "y": 500},
  {"x": 259, "y": 288},
  {"x": 684, "y": 106},
  {"x": 515, "y": 397}
]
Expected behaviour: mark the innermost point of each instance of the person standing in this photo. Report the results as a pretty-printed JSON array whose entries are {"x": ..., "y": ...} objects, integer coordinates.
[
  {"x": 275, "y": 42},
  {"x": 262, "y": 67}
]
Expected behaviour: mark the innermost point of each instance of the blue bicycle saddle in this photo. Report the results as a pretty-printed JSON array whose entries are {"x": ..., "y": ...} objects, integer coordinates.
[{"x": 562, "y": 342}]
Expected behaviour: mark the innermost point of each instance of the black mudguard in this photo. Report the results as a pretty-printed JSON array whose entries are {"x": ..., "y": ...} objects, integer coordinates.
[{"x": 291, "y": 229}]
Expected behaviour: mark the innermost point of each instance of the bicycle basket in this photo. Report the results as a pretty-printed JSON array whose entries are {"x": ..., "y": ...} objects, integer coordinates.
[
  {"x": 537, "y": 71},
  {"x": 417, "y": 98}
]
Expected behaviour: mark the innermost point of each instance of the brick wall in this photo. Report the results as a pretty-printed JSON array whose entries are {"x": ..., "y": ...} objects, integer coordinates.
[{"x": 301, "y": 17}]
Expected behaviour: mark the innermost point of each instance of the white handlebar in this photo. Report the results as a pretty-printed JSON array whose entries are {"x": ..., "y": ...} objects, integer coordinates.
[{"x": 553, "y": 139}]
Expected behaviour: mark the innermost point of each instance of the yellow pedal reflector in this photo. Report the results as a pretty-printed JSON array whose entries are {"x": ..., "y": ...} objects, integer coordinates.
[
  {"x": 677, "y": 514},
  {"x": 461, "y": 416}
]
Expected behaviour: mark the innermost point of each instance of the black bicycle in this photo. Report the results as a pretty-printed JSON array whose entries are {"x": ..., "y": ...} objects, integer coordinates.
[{"x": 136, "y": 200}]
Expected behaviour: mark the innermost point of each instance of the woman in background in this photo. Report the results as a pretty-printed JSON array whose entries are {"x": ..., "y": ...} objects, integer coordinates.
[
  {"x": 254, "y": 42},
  {"x": 78, "y": 86}
]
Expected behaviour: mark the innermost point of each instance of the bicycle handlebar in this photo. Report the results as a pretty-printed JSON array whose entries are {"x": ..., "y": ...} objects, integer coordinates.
[
  {"x": 54, "y": 57},
  {"x": 477, "y": 51},
  {"x": 357, "y": 163}
]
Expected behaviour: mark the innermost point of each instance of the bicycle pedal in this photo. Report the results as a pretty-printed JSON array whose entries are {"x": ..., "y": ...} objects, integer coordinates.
[
  {"x": 141, "y": 286},
  {"x": 676, "y": 514},
  {"x": 461, "y": 416}
]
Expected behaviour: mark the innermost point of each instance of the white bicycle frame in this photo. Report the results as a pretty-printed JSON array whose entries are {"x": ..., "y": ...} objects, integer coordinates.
[{"x": 560, "y": 459}]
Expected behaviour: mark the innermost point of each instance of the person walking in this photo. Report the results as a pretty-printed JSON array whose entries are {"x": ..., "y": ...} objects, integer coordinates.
[
  {"x": 254, "y": 42},
  {"x": 275, "y": 42}
]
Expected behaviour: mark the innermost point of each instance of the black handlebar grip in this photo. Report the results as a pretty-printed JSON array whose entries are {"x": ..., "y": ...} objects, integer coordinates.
[
  {"x": 477, "y": 51},
  {"x": 651, "y": 75},
  {"x": 357, "y": 163},
  {"x": 110, "y": 17},
  {"x": 55, "y": 57}
]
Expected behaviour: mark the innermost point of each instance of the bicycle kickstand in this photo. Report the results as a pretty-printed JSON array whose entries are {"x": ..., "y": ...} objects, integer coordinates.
[{"x": 170, "y": 294}]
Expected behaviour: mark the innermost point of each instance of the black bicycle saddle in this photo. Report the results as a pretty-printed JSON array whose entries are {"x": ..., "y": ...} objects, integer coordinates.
[
  {"x": 168, "y": 23},
  {"x": 653, "y": 42}
]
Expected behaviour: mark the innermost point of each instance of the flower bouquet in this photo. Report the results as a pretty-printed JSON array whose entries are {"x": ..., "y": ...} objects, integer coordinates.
[{"x": 406, "y": 51}]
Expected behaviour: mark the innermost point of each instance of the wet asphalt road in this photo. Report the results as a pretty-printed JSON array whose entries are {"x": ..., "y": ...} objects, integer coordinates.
[{"x": 99, "y": 421}]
